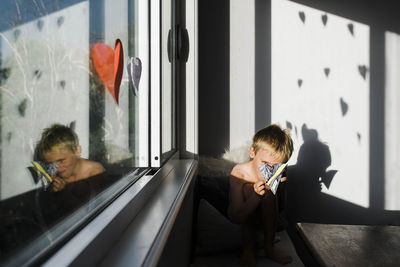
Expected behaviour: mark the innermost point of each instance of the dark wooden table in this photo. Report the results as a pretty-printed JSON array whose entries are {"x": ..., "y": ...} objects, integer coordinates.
[{"x": 352, "y": 245}]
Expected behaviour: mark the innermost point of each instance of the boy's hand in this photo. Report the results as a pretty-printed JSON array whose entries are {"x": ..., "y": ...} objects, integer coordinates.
[
  {"x": 259, "y": 187},
  {"x": 58, "y": 184},
  {"x": 267, "y": 187}
]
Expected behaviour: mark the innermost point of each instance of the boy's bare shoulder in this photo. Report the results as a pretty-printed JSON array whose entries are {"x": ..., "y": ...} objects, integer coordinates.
[
  {"x": 240, "y": 170},
  {"x": 93, "y": 167}
]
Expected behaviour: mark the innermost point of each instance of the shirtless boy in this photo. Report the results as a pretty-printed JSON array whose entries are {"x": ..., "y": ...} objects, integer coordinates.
[
  {"x": 249, "y": 194},
  {"x": 60, "y": 144}
]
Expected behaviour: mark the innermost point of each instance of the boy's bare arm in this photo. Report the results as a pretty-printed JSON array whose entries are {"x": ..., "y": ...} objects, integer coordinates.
[{"x": 91, "y": 168}]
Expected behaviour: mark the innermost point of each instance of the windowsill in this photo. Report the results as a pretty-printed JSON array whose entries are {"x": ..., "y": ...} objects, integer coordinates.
[{"x": 134, "y": 228}]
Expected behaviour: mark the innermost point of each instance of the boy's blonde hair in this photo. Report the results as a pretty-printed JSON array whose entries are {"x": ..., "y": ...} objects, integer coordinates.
[
  {"x": 279, "y": 140},
  {"x": 55, "y": 135}
]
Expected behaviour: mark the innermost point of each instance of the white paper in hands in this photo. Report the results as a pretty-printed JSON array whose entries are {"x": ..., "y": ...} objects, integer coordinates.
[
  {"x": 45, "y": 171},
  {"x": 272, "y": 175}
]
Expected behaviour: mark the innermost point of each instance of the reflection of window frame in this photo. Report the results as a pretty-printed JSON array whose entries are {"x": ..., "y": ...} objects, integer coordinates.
[
  {"x": 144, "y": 52},
  {"x": 155, "y": 75}
]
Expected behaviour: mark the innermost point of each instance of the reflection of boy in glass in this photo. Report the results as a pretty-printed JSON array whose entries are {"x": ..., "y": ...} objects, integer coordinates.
[
  {"x": 249, "y": 194},
  {"x": 60, "y": 144}
]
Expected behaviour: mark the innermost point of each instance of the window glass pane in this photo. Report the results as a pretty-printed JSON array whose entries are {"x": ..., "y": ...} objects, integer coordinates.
[
  {"x": 191, "y": 79},
  {"x": 65, "y": 62},
  {"x": 167, "y": 80}
]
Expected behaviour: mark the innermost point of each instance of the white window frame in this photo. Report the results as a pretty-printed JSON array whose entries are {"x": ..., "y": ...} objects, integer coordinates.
[{"x": 155, "y": 84}]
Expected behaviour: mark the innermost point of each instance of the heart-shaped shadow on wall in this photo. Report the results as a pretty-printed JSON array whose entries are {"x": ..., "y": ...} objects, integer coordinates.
[
  {"x": 299, "y": 82},
  {"x": 324, "y": 19},
  {"x": 39, "y": 24},
  {"x": 350, "y": 26},
  {"x": 362, "y": 69},
  {"x": 109, "y": 65},
  {"x": 344, "y": 107},
  {"x": 60, "y": 21},
  {"x": 327, "y": 71},
  {"x": 302, "y": 16},
  {"x": 289, "y": 125}
]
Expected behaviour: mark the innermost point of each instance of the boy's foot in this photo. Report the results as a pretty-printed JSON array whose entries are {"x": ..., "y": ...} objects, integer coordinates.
[
  {"x": 278, "y": 256},
  {"x": 248, "y": 258}
]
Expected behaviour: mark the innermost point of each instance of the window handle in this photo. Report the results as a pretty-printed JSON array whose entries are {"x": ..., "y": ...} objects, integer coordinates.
[{"x": 180, "y": 46}]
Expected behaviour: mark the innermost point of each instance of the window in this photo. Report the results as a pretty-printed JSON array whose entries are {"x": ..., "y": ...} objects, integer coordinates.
[
  {"x": 84, "y": 65},
  {"x": 168, "y": 142}
]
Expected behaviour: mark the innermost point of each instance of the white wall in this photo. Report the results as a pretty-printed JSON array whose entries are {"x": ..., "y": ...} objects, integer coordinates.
[
  {"x": 335, "y": 105},
  {"x": 242, "y": 71}
]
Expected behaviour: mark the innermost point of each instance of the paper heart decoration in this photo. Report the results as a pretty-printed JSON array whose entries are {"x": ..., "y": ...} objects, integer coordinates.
[
  {"x": 109, "y": 65},
  {"x": 134, "y": 72}
]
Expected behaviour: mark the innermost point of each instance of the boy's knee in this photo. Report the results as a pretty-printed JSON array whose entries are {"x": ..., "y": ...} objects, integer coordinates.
[{"x": 268, "y": 196}]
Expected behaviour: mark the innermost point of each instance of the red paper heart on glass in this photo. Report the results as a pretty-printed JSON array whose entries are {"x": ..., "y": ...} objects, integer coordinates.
[{"x": 109, "y": 65}]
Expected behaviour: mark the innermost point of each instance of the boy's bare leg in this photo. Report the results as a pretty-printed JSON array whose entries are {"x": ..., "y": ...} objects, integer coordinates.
[
  {"x": 269, "y": 210},
  {"x": 248, "y": 257}
]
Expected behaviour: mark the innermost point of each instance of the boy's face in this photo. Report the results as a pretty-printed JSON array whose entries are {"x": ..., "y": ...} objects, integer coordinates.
[
  {"x": 265, "y": 155},
  {"x": 65, "y": 158}
]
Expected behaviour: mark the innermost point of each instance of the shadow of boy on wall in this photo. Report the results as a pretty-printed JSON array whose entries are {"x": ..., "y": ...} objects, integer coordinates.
[
  {"x": 305, "y": 200},
  {"x": 307, "y": 176}
]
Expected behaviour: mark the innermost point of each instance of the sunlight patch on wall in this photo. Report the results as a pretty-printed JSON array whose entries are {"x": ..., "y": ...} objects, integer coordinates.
[
  {"x": 320, "y": 90},
  {"x": 392, "y": 123}
]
